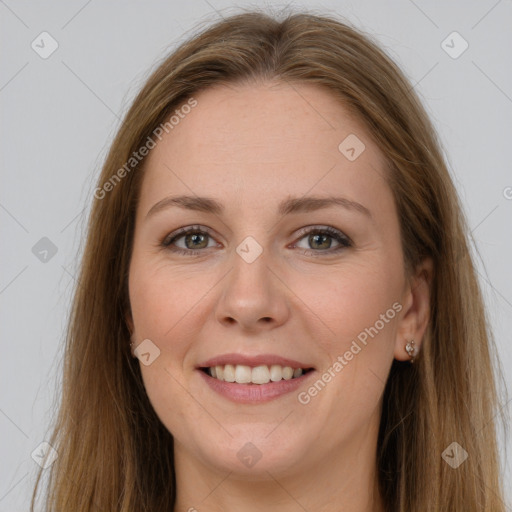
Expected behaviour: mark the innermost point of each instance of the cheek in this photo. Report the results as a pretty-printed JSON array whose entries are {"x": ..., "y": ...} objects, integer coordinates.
[
  {"x": 164, "y": 308},
  {"x": 350, "y": 301},
  {"x": 359, "y": 307},
  {"x": 170, "y": 307},
  {"x": 161, "y": 298},
  {"x": 171, "y": 402}
]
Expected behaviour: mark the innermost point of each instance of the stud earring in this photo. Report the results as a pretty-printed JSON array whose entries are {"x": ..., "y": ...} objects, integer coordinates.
[{"x": 411, "y": 350}]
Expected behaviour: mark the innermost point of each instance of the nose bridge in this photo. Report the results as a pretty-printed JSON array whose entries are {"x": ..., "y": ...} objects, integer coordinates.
[{"x": 251, "y": 294}]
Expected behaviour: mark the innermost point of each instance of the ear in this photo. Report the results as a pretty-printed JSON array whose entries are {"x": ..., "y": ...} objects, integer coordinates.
[{"x": 416, "y": 309}]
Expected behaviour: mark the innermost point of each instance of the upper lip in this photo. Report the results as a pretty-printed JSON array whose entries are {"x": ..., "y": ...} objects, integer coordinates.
[{"x": 254, "y": 360}]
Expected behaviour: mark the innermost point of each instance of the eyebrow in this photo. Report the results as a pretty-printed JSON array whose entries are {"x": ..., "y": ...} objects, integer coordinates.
[{"x": 292, "y": 205}]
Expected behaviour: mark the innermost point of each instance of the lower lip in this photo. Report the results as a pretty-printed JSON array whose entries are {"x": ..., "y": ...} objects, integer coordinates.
[{"x": 254, "y": 393}]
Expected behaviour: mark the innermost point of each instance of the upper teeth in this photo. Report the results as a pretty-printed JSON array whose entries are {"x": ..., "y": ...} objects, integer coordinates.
[{"x": 243, "y": 374}]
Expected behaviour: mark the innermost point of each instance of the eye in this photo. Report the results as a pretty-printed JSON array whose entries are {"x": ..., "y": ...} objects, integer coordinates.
[
  {"x": 196, "y": 238},
  {"x": 320, "y": 240}
]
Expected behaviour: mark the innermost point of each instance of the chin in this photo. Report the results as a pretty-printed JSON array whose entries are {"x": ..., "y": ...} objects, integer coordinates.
[{"x": 256, "y": 455}]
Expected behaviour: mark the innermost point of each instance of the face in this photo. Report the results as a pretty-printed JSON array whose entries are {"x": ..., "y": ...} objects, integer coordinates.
[{"x": 270, "y": 281}]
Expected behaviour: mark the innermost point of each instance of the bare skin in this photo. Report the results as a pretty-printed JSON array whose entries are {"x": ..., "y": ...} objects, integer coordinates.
[{"x": 305, "y": 298}]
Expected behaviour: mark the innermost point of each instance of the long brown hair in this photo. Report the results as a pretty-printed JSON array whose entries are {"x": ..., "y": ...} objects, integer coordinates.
[{"x": 115, "y": 454}]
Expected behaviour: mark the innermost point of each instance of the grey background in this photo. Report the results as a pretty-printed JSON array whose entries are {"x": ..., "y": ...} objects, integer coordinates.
[{"x": 59, "y": 115}]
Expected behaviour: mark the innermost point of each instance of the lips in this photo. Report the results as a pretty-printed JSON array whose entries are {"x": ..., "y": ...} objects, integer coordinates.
[
  {"x": 252, "y": 361},
  {"x": 261, "y": 370},
  {"x": 251, "y": 393}
]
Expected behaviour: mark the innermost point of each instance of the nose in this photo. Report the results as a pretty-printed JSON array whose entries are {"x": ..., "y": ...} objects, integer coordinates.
[{"x": 253, "y": 297}]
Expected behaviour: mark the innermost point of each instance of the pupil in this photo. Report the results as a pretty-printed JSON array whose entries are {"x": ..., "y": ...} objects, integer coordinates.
[
  {"x": 317, "y": 236},
  {"x": 195, "y": 237}
]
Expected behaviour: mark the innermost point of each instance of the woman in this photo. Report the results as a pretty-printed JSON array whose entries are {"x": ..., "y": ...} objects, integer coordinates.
[{"x": 277, "y": 308}]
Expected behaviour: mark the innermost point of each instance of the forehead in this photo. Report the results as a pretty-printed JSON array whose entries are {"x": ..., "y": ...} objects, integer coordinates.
[{"x": 264, "y": 142}]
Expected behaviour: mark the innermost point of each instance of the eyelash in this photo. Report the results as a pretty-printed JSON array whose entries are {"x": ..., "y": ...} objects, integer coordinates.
[{"x": 342, "y": 239}]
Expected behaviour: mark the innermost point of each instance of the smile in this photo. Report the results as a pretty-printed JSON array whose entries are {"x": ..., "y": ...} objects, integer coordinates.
[{"x": 262, "y": 374}]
